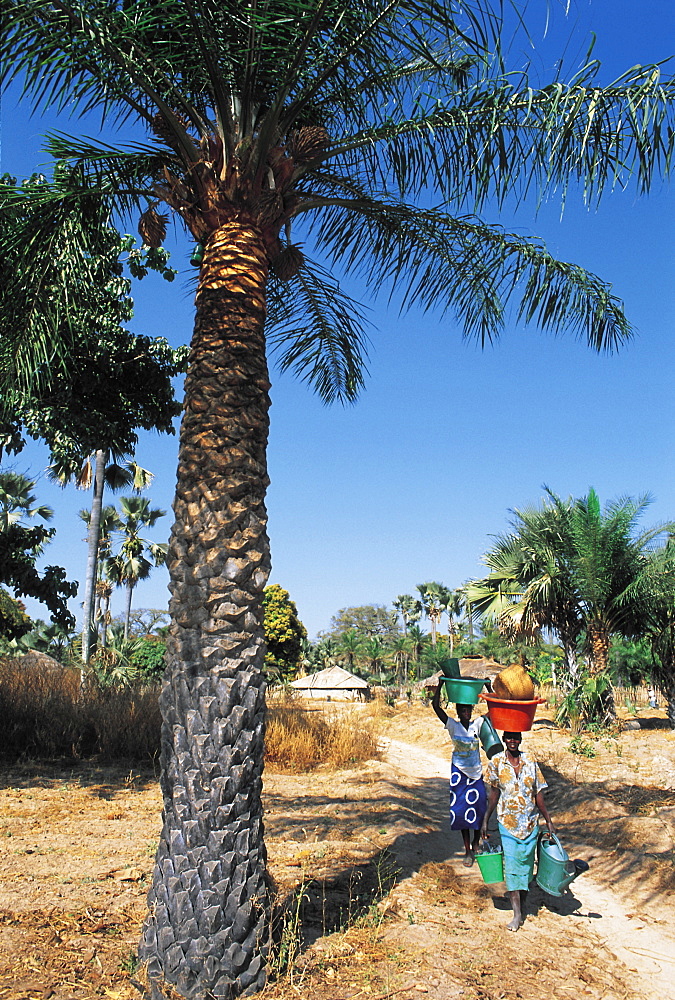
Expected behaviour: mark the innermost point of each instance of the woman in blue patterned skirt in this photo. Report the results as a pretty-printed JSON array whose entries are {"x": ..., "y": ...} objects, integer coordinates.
[{"x": 468, "y": 798}]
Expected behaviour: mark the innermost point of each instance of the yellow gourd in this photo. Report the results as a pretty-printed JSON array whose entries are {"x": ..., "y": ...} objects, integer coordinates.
[{"x": 513, "y": 684}]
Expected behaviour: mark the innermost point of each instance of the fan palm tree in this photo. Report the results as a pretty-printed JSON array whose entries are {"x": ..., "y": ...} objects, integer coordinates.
[
  {"x": 109, "y": 522},
  {"x": 95, "y": 473},
  {"x": 258, "y": 123},
  {"x": 137, "y": 556},
  {"x": 434, "y": 598},
  {"x": 453, "y": 608},
  {"x": 18, "y": 503},
  {"x": 409, "y": 609}
]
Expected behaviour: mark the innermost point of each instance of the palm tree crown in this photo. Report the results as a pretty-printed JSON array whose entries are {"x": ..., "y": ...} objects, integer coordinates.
[{"x": 342, "y": 118}]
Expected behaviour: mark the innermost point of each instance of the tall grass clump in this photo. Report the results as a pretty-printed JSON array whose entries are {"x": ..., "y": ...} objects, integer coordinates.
[
  {"x": 299, "y": 738},
  {"x": 45, "y": 716}
]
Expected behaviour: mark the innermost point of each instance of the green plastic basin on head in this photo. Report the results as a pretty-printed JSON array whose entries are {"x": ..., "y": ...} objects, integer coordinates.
[
  {"x": 463, "y": 690},
  {"x": 491, "y": 866}
]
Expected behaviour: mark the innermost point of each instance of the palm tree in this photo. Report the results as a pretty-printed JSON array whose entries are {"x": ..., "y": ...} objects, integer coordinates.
[
  {"x": 95, "y": 473},
  {"x": 453, "y": 607},
  {"x": 654, "y": 594},
  {"x": 350, "y": 646},
  {"x": 409, "y": 609},
  {"x": 109, "y": 522},
  {"x": 569, "y": 566},
  {"x": 400, "y": 650},
  {"x": 137, "y": 556},
  {"x": 349, "y": 121},
  {"x": 17, "y": 501},
  {"x": 418, "y": 641},
  {"x": 434, "y": 597},
  {"x": 374, "y": 650}
]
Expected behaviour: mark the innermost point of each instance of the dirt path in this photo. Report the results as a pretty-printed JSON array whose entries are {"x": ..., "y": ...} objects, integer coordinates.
[
  {"x": 630, "y": 937},
  {"x": 377, "y": 902}
]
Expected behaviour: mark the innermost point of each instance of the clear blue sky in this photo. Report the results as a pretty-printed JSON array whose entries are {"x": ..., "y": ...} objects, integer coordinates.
[{"x": 409, "y": 484}]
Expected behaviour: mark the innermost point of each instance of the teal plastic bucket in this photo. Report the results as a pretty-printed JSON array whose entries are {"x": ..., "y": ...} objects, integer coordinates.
[
  {"x": 463, "y": 690},
  {"x": 555, "y": 871},
  {"x": 491, "y": 866},
  {"x": 450, "y": 667},
  {"x": 489, "y": 740}
]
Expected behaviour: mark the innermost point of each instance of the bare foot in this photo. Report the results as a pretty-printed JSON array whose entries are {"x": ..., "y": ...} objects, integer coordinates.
[
  {"x": 514, "y": 924},
  {"x": 468, "y": 860}
]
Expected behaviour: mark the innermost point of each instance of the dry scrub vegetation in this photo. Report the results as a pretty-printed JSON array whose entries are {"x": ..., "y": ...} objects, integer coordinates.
[{"x": 300, "y": 737}]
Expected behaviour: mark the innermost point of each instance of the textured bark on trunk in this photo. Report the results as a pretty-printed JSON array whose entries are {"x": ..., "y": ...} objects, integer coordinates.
[
  {"x": 599, "y": 649},
  {"x": 600, "y": 643},
  {"x": 207, "y": 930}
]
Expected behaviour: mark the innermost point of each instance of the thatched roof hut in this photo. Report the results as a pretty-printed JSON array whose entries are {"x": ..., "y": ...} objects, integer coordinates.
[
  {"x": 332, "y": 683},
  {"x": 479, "y": 666}
]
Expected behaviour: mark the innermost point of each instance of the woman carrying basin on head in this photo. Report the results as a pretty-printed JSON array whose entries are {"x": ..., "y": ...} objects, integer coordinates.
[
  {"x": 517, "y": 790},
  {"x": 468, "y": 797}
]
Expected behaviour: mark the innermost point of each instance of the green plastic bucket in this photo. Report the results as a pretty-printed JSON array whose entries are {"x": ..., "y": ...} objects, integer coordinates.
[
  {"x": 491, "y": 866},
  {"x": 463, "y": 690},
  {"x": 489, "y": 740},
  {"x": 450, "y": 667}
]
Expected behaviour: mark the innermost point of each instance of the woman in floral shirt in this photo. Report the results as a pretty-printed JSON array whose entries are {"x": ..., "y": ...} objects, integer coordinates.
[{"x": 517, "y": 790}]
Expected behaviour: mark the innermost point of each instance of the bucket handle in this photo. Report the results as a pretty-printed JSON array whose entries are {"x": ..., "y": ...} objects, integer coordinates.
[{"x": 545, "y": 835}]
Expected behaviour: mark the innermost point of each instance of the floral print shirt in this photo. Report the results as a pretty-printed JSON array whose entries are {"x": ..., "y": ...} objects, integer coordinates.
[{"x": 516, "y": 809}]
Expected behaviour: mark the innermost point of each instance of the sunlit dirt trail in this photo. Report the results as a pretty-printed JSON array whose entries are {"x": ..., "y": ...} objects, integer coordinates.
[{"x": 643, "y": 941}]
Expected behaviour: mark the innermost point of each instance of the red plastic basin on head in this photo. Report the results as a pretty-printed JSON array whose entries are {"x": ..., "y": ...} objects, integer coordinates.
[{"x": 511, "y": 716}]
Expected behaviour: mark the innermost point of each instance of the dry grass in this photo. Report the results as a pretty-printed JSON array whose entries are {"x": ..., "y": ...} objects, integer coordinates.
[
  {"x": 46, "y": 716},
  {"x": 300, "y": 738}
]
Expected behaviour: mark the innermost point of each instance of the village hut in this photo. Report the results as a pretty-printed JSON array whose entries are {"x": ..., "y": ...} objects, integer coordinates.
[
  {"x": 332, "y": 684},
  {"x": 479, "y": 666}
]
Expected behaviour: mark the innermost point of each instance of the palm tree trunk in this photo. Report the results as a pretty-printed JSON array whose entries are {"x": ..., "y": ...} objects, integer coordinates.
[
  {"x": 127, "y": 610},
  {"x": 600, "y": 643},
  {"x": 93, "y": 536},
  {"x": 599, "y": 640},
  {"x": 207, "y": 930}
]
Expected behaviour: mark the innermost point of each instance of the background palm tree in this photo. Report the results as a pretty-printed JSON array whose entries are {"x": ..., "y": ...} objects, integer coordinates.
[
  {"x": 137, "y": 556},
  {"x": 453, "y": 607},
  {"x": 255, "y": 123},
  {"x": 96, "y": 472},
  {"x": 400, "y": 651},
  {"x": 654, "y": 594},
  {"x": 18, "y": 503},
  {"x": 570, "y": 566},
  {"x": 374, "y": 650},
  {"x": 434, "y": 598},
  {"x": 350, "y": 645},
  {"x": 108, "y": 523},
  {"x": 409, "y": 609}
]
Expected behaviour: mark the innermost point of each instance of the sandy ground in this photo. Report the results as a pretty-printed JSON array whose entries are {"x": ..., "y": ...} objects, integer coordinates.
[{"x": 376, "y": 900}]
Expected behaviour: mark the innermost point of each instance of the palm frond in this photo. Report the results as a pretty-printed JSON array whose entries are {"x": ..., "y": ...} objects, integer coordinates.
[
  {"x": 462, "y": 264},
  {"x": 318, "y": 333}
]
